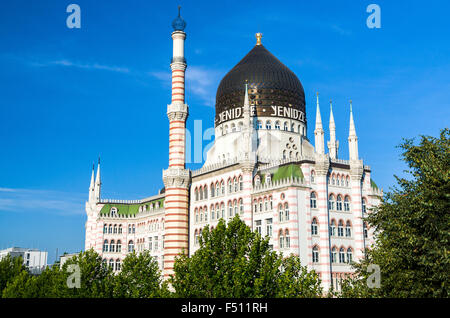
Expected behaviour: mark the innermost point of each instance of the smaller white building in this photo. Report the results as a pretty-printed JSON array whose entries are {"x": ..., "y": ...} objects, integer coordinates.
[
  {"x": 34, "y": 259},
  {"x": 64, "y": 258}
]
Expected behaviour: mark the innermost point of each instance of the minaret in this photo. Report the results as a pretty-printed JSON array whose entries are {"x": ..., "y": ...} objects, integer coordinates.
[
  {"x": 176, "y": 178},
  {"x": 356, "y": 175},
  {"x": 318, "y": 132},
  {"x": 98, "y": 184},
  {"x": 352, "y": 138},
  {"x": 92, "y": 185},
  {"x": 322, "y": 166},
  {"x": 333, "y": 144},
  {"x": 248, "y": 161}
]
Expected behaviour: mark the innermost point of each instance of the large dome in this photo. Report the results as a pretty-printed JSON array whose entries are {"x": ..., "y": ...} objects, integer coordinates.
[{"x": 271, "y": 84}]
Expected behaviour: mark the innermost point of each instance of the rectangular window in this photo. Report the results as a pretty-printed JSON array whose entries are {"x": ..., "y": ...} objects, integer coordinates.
[
  {"x": 156, "y": 243},
  {"x": 269, "y": 227},
  {"x": 258, "y": 226}
]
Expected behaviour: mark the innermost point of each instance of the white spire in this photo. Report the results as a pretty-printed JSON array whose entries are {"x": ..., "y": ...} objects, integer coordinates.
[
  {"x": 92, "y": 185},
  {"x": 318, "y": 132},
  {"x": 98, "y": 183},
  {"x": 352, "y": 138},
  {"x": 333, "y": 144}
]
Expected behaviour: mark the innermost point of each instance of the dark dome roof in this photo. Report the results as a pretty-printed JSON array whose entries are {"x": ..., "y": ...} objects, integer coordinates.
[{"x": 271, "y": 83}]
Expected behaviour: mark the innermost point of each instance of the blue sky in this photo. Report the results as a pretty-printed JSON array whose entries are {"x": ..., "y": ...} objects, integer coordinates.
[{"x": 70, "y": 95}]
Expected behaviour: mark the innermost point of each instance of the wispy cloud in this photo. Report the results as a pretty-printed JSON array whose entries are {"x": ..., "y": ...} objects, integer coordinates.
[
  {"x": 201, "y": 82},
  {"x": 88, "y": 66},
  {"x": 41, "y": 201}
]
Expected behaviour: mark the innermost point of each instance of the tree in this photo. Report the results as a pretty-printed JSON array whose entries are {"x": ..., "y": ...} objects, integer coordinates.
[
  {"x": 233, "y": 261},
  {"x": 96, "y": 278},
  {"x": 412, "y": 228},
  {"x": 10, "y": 267},
  {"x": 140, "y": 277}
]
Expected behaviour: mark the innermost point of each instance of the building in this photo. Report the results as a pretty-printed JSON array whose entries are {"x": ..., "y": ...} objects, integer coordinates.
[
  {"x": 34, "y": 259},
  {"x": 65, "y": 257},
  {"x": 262, "y": 167}
]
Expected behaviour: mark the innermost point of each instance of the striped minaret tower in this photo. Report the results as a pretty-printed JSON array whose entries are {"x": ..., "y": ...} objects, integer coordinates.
[{"x": 176, "y": 177}]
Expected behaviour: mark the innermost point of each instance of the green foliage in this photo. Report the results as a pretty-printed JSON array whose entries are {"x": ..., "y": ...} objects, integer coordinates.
[
  {"x": 233, "y": 261},
  {"x": 412, "y": 228},
  {"x": 140, "y": 277},
  {"x": 10, "y": 268}
]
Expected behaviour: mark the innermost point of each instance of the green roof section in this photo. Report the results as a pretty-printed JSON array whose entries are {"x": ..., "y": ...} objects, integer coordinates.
[
  {"x": 373, "y": 184},
  {"x": 132, "y": 209},
  {"x": 288, "y": 171}
]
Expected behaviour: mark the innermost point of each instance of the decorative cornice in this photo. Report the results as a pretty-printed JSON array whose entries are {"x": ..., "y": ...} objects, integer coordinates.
[{"x": 176, "y": 178}]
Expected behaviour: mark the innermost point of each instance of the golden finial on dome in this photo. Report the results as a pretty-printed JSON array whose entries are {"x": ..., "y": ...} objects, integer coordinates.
[{"x": 258, "y": 38}]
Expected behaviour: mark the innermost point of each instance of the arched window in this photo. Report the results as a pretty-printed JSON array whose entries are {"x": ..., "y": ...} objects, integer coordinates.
[
  {"x": 277, "y": 125},
  {"x": 281, "y": 239},
  {"x": 342, "y": 181},
  {"x": 341, "y": 228},
  {"x": 233, "y": 127},
  {"x": 230, "y": 186},
  {"x": 119, "y": 246},
  {"x": 241, "y": 206},
  {"x": 313, "y": 176},
  {"x": 339, "y": 203},
  {"x": 222, "y": 206},
  {"x": 112, "y": 246},
  {"x": 230, "y": 209},
  {"x": 205, "y": 212},
  {"x": 105, "y": 229},
  {"x": 346, "y": 204},
  {"x": 255, "y": 206},
  {"x": 196, "y": 216},
  {"x": 115, "y": 229},
  {"x": 266, "y": 205},
  {"x": 196, "y": 194},
  {"x": 348, "y": 229},
  {"x": 284, "y": 154},
  {"x": 293, "y": 127},
  {"x": 133, "y": 228},
  {"x": 200, "y": 190},
  {"x": 337, "y": 180},
  {"x": 110, "y": 229},
  {"x": 105, "y": 246},
  {"x": 111, "y": 263},
  {"x": 341, "y": 255},
  {"x": 314, "y": 229},
  {"x": 286, "y": 212},
  {"x": 213, "y": 190},
  {"x": 280, "y": 213},
  {"x": 364, "y": 206},
  {"x": 270, "y": 203},
  {"x": 286, "y": 126},
  {"x": 331, "y": 202},
  {"x": 129, "y": 229},
  {"x": 268, "y": 125},
  {"x": 333, "y": 180},
  {"x": 349, "y": 255},
  {"x": 200, "y": 213},
  {"x": 213, "y": 213},
  {"x": 235, "y": 207},
  {"x": 259, "y": 124},
  {"x": 117, "y": 264},
  {"x": 313, "y": 200},
  {"x": 287, "y": 239},
  {"x": 365, "y": 230},
  {"x": 196, "y": 238},
  {"x": 333, "y": 228},
  {"x": 236, "y": 189},
  {"x": 347, "y": 181},
  {"x": 205, "y": 192},
  {"x": 241, "y": 183},
  {"x": 130, "y": 246},
  {"x": 260, "y": 205},
  {"x": 333, "y": 255},
  {"x": 315, "y": 254},
  {"x": 120, "y": 229}
]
